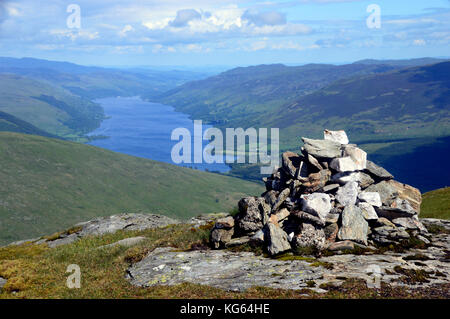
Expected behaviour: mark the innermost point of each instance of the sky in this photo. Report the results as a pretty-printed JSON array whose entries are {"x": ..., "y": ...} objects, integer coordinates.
[{"x": 223, "y": 32}]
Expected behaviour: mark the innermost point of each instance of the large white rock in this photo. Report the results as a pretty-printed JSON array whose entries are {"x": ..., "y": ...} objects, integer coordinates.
[
  {"x": 336, "y": 136},
  {"x": 358, "y": 156},
  {"x": 318, "y": 204},
  {"x": 344, "y": 164},
  {"x": 347, "y": 194},
  {"x": 373, "y": 198}
]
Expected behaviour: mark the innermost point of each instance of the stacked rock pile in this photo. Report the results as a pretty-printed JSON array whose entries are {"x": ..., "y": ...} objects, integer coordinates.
[{"x": 329, "y": 196}]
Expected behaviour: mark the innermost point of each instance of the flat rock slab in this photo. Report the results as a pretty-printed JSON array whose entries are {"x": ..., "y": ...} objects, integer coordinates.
[
  {"x": 221, "y": 269},
  {"x": 238, "y": 271},
  {"x": 104, "y": 225}
]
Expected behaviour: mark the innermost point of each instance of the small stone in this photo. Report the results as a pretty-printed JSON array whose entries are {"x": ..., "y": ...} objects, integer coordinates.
[
  {"x": 258, "y": 236},
  {"x": 291, "y": 163},
  {"x": 314, "y": 162},
  {"x": 318, "y": 204},
  {"x": 343, "y": 164},
  {"x": 409, "y": 223},
  {"x": 317, "y": 180},
  {"x": 347, "y": 194},
  {"x": 377, "y": 171},
  {"x": 386, "y": 191},
  {"x": 336, "y": 136},
  {"x": 271, "y": 197},
  {"x": 385, "y": 222},
  {"x": 221, "y": 236},
  {"x": 396, "y": 209},
  {"x": 354, "y": 226},
  {"x": 253, "y": 214},
  {"x": 342, "y": 245},
  {"x": 332, "y": 218},
  {"x": 2, "y": 283},
  {"x": 364, "y": 180},
  {"x": 227, "y": 222},
  {"x": 281, "y": 198},
  {"x": 238, "y": 241},
  {"x": 322, "y": 148},
  {"x": 368, "y": 211},
  {"x": 282, "y": 214},
  {"x": 306, "y": 217},
  {"x": 276, "y": 239},
  {"x": 358, "y": 156},
  {"x": 310, "y": 236},
  {"x": 373, "y": 198},
  {"x": 330, "y": 188},
  {"x": 331, "y": 232}
]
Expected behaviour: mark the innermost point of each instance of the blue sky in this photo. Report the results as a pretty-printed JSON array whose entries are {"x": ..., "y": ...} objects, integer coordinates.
[{"x": 223, "y": 32}]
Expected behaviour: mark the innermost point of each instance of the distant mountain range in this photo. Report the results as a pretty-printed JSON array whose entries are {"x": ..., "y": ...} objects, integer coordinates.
[{"x": 373, "y": 100}]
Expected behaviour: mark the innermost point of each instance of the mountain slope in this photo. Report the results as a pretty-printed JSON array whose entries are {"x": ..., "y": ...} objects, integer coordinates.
[
  {"x": 97, "y": 82},
  {"x": 49, "y": 184},
  {"x": 412, "y": 102},
  {"x": 47, "y": 107},
  {"x": 248, "y": 94}
]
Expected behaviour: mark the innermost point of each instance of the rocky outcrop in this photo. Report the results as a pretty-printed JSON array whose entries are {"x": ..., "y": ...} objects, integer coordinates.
[
  {"x": 103, "y": 225},
  {"x": 238, "y": 271},
  {"x": 327, "y": 192}
]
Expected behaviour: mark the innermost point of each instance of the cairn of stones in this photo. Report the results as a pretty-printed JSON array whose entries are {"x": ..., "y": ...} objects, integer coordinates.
[{"x": 327, "y": 197}]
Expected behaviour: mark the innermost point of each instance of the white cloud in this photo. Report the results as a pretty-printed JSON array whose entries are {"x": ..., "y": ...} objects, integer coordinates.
[{"x": 419, "y": 42}]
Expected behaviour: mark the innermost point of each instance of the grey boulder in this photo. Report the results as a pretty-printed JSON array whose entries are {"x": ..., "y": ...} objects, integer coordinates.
[
  {"x": 354, "y": 226},
  {"x": 276, "y": 239}
]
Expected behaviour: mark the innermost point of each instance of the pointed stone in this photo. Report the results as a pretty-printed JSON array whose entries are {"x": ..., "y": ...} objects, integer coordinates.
[{"x": 336, "y": 136}]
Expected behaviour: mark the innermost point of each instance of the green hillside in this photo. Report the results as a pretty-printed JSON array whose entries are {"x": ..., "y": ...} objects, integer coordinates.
[
  {"x": 436, "y": 204},
  {"x": 46, "y": 107},
  {"x": 244, "y": 96},
  {"x": 49, "y": 184},
  {"x": 407, "y": 103}
]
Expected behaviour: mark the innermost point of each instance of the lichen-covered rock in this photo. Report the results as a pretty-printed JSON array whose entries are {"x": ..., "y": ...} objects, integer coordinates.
[
  {"x": 253, "y": 214},
  {"x": 354, "y": 226},
  {"x": 347, "y": 194},
  {"x": 310, "y": 236}
]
